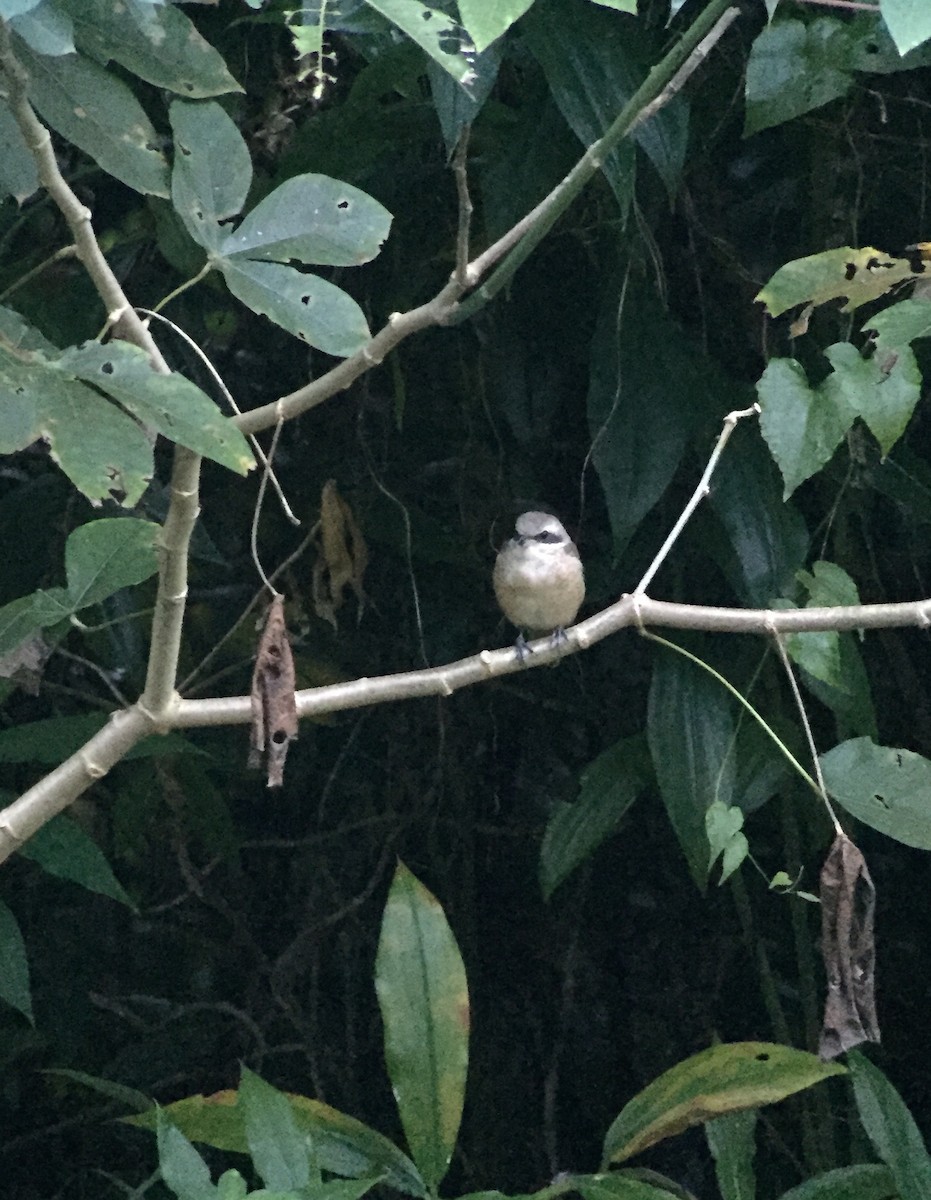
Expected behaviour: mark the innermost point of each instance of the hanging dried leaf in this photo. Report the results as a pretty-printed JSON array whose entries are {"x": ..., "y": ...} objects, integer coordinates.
[
  {"x": 342, "y": 555},
  {"x": 274, "y": 711},
  {"x": 848, "y": 902},
  {"x": 25, "y": 663}
]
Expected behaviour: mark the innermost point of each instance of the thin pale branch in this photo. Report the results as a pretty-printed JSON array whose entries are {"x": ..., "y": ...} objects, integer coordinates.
[{"x": 175, "y": 535}]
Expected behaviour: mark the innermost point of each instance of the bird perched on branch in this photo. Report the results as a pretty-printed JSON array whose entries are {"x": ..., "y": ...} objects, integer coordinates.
[{"x": 538, "y": 578}]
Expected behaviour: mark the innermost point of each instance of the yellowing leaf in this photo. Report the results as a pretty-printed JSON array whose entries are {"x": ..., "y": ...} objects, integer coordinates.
[{"x": 856, "y": 276}]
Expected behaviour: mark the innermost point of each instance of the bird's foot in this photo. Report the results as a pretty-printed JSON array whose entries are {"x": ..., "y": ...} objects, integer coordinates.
[
  {"x": 522, "y": 649},
  {"x": 559, "y": 637}
]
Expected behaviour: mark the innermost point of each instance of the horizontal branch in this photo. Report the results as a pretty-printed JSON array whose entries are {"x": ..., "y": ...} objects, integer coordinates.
[{"x": 20, "y": 820}]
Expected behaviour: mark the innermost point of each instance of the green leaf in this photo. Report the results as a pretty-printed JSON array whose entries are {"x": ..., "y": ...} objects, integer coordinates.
[
  {"x": 183, "y": 1169},
  {"x": 622, "y": 1185},
  {"x": 641, "y": 409},
  {"x": 732, "y": 1144},
  {"x": 54, "y": 739},
  {"x": 624, "y": 6},
  {"x": 21, "y": 618},
  {"x": 424, "y": 1002},
  {"x": 456, "y": 107},
  {"x": 13, "y": 8},
  {"x": 883, "y": 392},
  {"x": 768, "y": 536},
  {"x": 14, "y": 969},
  {"x": 592, "y": 75},
  {"x": 171, "y": 404},
  {"x": 723, "y": 1079},
  {"x": 891, "y": 1128},
  {"x": 100, "y": 115},
  {"x": 431, "y": 29},
  {"x": 900, "y": 324},
  {"x": 793, "y": 68},
  {"x": 887, "y": 789},
  {"x": 909, "y": 22},
  {"x": 313, "y": 309},
  {"x": 278, "y": 1148},
  {"x": 161, "y": 46},
  {"x": 62, "y": 848},
  {"x": 855, "y": 276},
  {"x": 232, "y": 1186},
  {"x": 343, "y": 1145},
  {"x": 819, "y": 654},
  {"x": 486, "y": 20},
  {"x": 607, "y": 789},
  {"x": 103, "y": 451},
  {"x": 723, "y": 826},
  {"x": 18, "y": 175},
  {"x": 103, "y": 556},
  {"x": 46, "y": 29},
  {"x": 864, "y": 1181},
  {"x": 314, "y": 219},
  {"x": 131, "y": 1097},
  {"x": 802, "y": 427},
  {"x": 212, "y": 169},
  {"x": 690, "y": 730}
]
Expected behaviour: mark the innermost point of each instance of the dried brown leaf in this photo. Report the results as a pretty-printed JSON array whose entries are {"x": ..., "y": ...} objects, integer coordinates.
[
  {"x": 342, "y": 555},
  {"x": 274, "y": 709},
  {"x": 848, "y": 903}
]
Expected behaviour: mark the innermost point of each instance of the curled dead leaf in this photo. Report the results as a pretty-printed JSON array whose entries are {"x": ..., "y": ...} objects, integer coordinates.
[
  {"x": 848, "y": 903},
  {"x": 274, "y": 708},
  {"x": 342, "y": 555}
]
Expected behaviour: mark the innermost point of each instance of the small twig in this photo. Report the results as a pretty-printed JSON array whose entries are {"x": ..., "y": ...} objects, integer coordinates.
[
  {"x": 58, "y": 256},
  {"x": 208, "y": 658},
  {"x": 101, "y": 673},
  {"x": 810, "y": 737},
  {"x": 183, "y": 287},
  {"x": 701, "y": 491},
  {"x": 228, "y": 397},
  {"x": 460, "y": 163},
  {"x": 254, "y": 532}
]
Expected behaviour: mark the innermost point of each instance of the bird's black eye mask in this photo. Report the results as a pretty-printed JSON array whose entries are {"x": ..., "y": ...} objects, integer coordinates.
[{"x": 547, "y": 536}]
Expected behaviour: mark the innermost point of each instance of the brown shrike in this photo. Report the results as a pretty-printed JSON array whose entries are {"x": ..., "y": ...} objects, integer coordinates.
[{"x": 538, "y": 578}]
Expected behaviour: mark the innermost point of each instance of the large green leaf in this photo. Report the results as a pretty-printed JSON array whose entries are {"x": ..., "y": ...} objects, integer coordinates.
[
  {"x": 593, "y": 73},
  {"x": 486, "y": 20},
  {"x": 882, "y": 392},
  {"x": 621, "y": 1185},
  {"x": 900, "y": 324},
  {"x": 159, "y": 43},
  {"x": 182, "y": 1167},
  {"x": 46, "y": 29},
  {"x": 311, "y": 308},
  {"x": 171, "y": 404},
  {"x": 276, "y": 1144},
  {"x": 607, "y": 789},
  {"x": 731, "y": 1139},
  {"x": 796, "y": 66},
  {"x": 864, "y": 1181},
  {"x": 103, "y": 451},
  {"x": 21, "y": 618},
  {"x": 433, "y": 30},
  {"x": 803, "y": 426},
  {"x": 828, "y": 586},
  {"x": 891, "y": 1128},
  {"x": 690, "y": 730},
  {"x": 53, "y": 739},
  {"x": 18, "y": 175},
  {"x": 856, "y": 276},
  {"x": 100, "y": 115},
  {"x": 768, "y": 536},
  {"x": 424, "y": 1002},
  {"x": 313, "y": 219},
  {"x": 723, "y": 1079},
  {"x": 62, "y": 848},
  {"x": 909, "y": 22},
  {"x": 14, "y": 969},
  {"x": 343, "y": 1145},
  {"x": 103, "y": 556},
  {"x": 212, "y": 169},
  {"x": 885, "y": 788},
  {"x": 641, "y": 408}
]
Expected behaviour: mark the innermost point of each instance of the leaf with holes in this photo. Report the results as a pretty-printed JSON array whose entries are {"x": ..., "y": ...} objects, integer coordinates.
[
  {"x": 99, "y": 114},
  {"x": 103, "y": 451},
  {"x": 311, "y": 308},
  {"x": 885, "y": 788},
  {"x": 856, "y": 276},
  {"x": 160, "y": 44},
  {"x": 173, "y": 405},
  {"x": 212, "y": 169},
  {"x": 314, "y": 219},
  {"x": 724, "y": 1079},
  {"x": 434, "y": 32}
]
